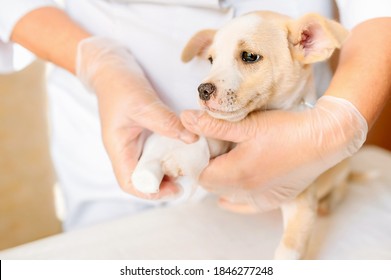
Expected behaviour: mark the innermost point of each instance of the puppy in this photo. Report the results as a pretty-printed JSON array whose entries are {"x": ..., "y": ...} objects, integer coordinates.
[{"x": 260, "y": 61}]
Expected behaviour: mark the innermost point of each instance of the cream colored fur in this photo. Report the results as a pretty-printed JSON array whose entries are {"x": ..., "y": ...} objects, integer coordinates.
[{"x": 280, "y": 77}]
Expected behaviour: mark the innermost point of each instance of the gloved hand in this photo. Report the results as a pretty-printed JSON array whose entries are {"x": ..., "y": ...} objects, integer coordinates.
[
  {"x": 278, "y": 153},
  {"x": 127, "y": 105}
]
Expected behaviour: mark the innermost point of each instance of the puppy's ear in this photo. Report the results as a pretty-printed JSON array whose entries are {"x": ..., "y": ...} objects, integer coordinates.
[
  {"x": 198, "y": 44},
  {"x": 314, "y": 38}
]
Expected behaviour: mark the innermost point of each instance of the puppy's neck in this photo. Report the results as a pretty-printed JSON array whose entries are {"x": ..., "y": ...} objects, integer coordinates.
[{"x": 297, "y": 97}]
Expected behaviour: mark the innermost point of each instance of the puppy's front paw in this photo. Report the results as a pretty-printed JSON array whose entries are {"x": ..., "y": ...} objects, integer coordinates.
[
  {"x": 147, "y": 177},
  {"x": 172, "y": 168}
]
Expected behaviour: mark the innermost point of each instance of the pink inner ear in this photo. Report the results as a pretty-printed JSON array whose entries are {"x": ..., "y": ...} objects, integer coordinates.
[
  {"x": 313, "y": 39},
  {"x": 305, "y": 38}
]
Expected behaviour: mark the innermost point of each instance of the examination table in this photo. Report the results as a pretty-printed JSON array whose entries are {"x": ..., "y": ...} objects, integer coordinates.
[{"x": 360, "y": 228}]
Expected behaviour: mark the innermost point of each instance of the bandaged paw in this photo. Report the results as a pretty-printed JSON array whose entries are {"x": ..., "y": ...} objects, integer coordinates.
[{"x": 166, "y": 156}]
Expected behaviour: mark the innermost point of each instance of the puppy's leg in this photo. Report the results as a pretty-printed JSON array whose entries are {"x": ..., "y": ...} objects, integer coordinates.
[
  {"x": 186, "y": 159},
  {"x": 332, "y": 186},
  {"x": 162, "y": 155},
  {"x": 148, "y": 173},
  {"x": 328, "y": 203},
  {"x": 298, "y": 217}
]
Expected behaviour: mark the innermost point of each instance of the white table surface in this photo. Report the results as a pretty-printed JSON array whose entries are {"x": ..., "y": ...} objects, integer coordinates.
[{"x": 360, "y": 228}]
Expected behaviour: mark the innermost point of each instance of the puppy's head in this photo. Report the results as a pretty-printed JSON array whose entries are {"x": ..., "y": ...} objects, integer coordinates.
[{"x": 259, "y": 59}]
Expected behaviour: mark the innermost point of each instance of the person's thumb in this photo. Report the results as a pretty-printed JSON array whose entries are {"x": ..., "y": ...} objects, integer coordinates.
[
  {"x": 159, "y": 119},
  {"x": 203, "y": 124}
]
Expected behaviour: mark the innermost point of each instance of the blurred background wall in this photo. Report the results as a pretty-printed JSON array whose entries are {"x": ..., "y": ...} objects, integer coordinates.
[{"x": 27, "y": 179}]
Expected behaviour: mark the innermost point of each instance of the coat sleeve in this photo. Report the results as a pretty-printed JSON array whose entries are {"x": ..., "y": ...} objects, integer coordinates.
[
  {"x": 353, "y": 12},
  {"x": 12, "y": 11}
]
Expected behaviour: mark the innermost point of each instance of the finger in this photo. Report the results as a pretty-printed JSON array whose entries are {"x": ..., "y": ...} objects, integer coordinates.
[
  {"x": 222, "y": 175},
  {"x": 169, "y": 188},
  {"x": 203, "y": 124},
  {"x": 123, "y": 169},
  {"x": 124, "y": 152},
  {"x": 124, "y": 148},
  {"x": 243, "y": 208},
  {"x": 124, "y": 157},
  {"x": 159, "y": 119}
]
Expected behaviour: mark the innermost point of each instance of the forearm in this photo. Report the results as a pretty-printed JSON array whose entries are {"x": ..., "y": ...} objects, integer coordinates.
[
  {"x": 50, "y": 34},
  {"x": 364, "y": 68}
]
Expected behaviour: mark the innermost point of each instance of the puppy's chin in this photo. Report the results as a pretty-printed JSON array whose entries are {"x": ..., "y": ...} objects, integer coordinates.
[
  {"x": 229, "y": 116},
  {"x": 239, "y": 114}
]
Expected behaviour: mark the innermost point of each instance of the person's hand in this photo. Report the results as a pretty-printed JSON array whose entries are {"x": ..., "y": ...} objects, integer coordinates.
[
  {"x": 278, "y": 153},
  {"x": 127, "y": 105}
]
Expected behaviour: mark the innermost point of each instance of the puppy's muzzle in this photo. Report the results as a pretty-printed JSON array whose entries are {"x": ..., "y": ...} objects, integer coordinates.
[{"x": 206, "y": 90}]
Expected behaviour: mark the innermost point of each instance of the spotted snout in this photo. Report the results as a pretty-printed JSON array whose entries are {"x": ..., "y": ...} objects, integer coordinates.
[{"x": 205, "y": 91}]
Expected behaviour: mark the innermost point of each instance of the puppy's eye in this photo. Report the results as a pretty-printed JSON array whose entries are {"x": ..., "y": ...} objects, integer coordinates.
[
  {"x": 251, "y": 57},
  {"x": 210, "y": 60}
]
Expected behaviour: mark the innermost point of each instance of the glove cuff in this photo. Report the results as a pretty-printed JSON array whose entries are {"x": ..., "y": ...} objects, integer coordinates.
[
  {"x": 97, "y": 56},
  {"x": 349, "y": 119}
]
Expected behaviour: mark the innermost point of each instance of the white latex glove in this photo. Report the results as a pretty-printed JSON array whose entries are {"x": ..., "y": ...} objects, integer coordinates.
[
  {"x": 127, "y": 105},
  {"x": 278, "y": 153}
]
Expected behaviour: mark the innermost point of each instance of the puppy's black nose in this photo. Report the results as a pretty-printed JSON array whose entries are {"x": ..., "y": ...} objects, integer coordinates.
[{"x": 206, "y": 90}]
